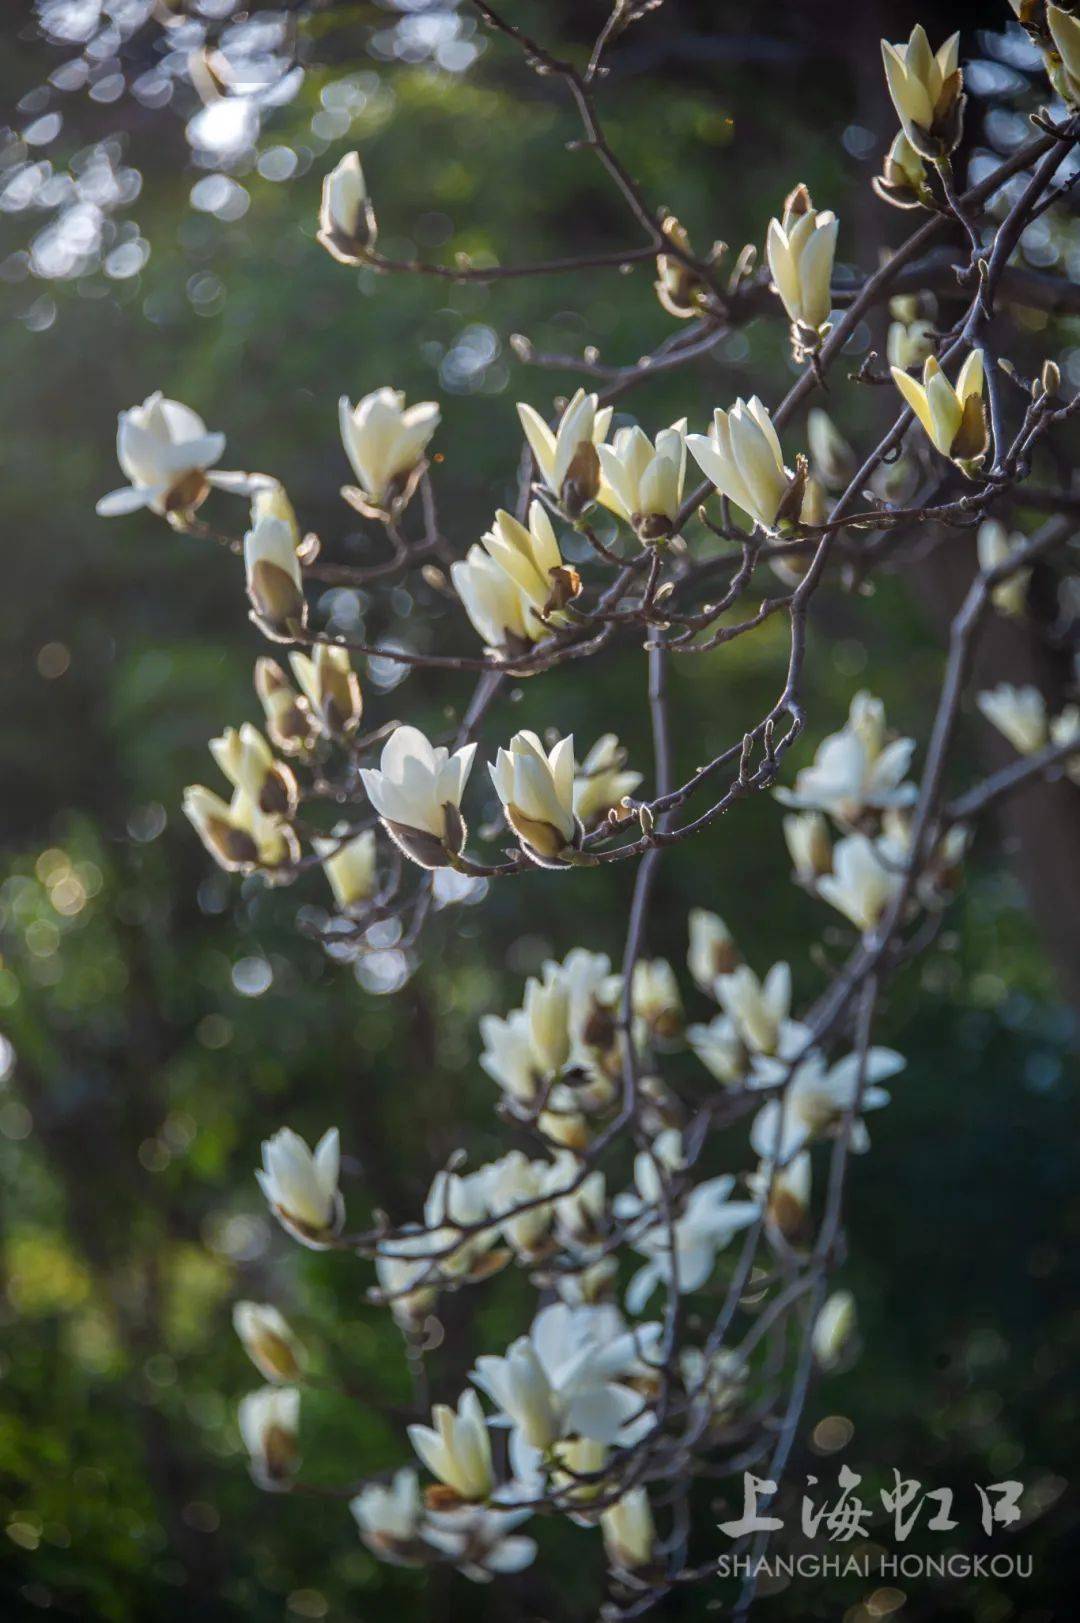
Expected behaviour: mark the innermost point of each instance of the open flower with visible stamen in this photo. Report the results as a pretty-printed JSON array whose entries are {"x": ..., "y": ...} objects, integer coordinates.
[
  {"x": 800, "y": 248},
  {"x": 275, "y": 584},
  {"x": 166, "y": 451},
  {"x": 954, "y": 418},
  {"x": 457, "y": 1449},
  {"x": 567, "y": 457},
  {"x": 927, "y": 91},
  {"x": 514, "y": 584},
  {"x": 643, "y": 481},
  {"x": 1017, "y": 712},
  {"x": 385, "y": 441},
  {"x": 741, "y": 455},
  {"x": 416, "y": 790},
  {"x": 301, "y": 1186},
  {"x": 269, "y": 1423},
  {"x": 602, "y": 781},
  {"x": 248, "y": 762},
  {"x": 347, "y": 228},
  {"x": 536, "y": 787},
  {"x": 268, "y": 1341},
  {"x": 330, "y": 685},
  {"x": 866, "y": 876},
  {"x": 390, "y": 1518}
]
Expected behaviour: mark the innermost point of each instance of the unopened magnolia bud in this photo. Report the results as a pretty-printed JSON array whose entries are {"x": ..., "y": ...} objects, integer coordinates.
[
  {"x": 832, "y": 458},
  {"x": 347, "y": 228},
  {"x": 274, "y": 582},
  {"x": 288, "y": 720},
  {"x": 268, "y": 1341},
  {"x": 835, "y": 1331},
  {"x": 1050, "y": 378},
  {"x": 331, "y": 688}
]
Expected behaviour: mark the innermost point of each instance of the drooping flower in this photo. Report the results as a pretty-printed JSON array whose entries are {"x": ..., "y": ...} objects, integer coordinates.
[
  {"x": 741, "y": 455},
  {"x": 927, "y": 91},
  {"x": 268, "y": 1341},
  {"x": 536, "y": 787},
  {"x": 385, "y": 441},
  {"x": 643, "y": 480},
  {"x": 567, "y": 457},
  {"x": 954, "y": 417},
  {"x": 416, "y": 790},
  {"x": 165, "y": 450},
  {"x": 301, "y": 1185},
  {"x": 269, "y": 1421},
  {"x": 800, "y": 248}
]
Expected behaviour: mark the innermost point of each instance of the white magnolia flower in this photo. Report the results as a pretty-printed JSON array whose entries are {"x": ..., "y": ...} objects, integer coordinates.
[
  {"x": 741, "y": 455},
  {"x": 996, "y": 546},
  {"x": 910, "y": 343},
  {"x": 288, "y": 720},
  {"x": 593, "y": 993},
  {"x": 457, "y": 1449},
  {"x": 536, "y": 788},
  {"x": 269, "y": 1423},
  {"x": 481, "y": 1543},
  {"x": 629, "y": 1533},
  {"x": 655, "y": 997},
  {"x": 1065, "y": 34},
  {"x": 926, "y": 88},
  {"x": 903, "y": 180},
  {"x": 248, "y": 762},
  {"x": 275, "y": 584},
  {"x": 346, "y": 218},
  {"x": 719, "y": 1379},
  {"x": 1065, "y": 729},
  {"x": 455, "y": 1204},
  {"x": 406, "y": 1280},
  {"x": 816, "y": 1100},
  {"x": 579, "y": 1215},
  {"x": 855, "y": 769},
  {"x": 602, "y": 780},
  {"x": 800, "y": 250},
  {"x": 1019, "y": 713},
  {"x": 390, "y": 1518},
  {"x": 165, "y": 450},
  {"x": 759, "y": 1010},
  {"x": 331, "y": 688},
  {"x": 237, "y": 835},
  {"x": 515, "y": 1181},
  {"x": 567, "y": 458},
  {"x": 385, "y": 441},
  {"x": 808, "y": 843},
  {"x": 719, "y": 1048},
  {"x": 590, "y": 1286},
  {"x": 866, "y": 875},
  {"x": 643, "y": 481},
  {"x": 712, "y": 950},
  {"x": 417, "y": 792},
  {"x": 563, "y": 1378},
  {"x": 954, "y": 418},
  {"x": 785, "y": 1194},
  {"x": 832, "y": 457},
  {"x": 268, "y": 1341},
  {"x": 349, "y": 868},
  {"x": 708, "y": 1222},
  {"x": 269, "y": 500},
  {"x": 515, "y": 580},
  {"x": 301, "y": 1185},
  {"x": 834, "y": 1331}
]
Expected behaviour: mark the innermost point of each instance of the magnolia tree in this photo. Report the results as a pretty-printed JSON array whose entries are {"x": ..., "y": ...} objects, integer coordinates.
[{"x": 614, "y": 1400}]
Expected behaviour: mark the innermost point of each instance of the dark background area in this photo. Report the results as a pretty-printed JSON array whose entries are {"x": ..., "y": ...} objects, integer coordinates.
[{"x": 142, "y": 1074}]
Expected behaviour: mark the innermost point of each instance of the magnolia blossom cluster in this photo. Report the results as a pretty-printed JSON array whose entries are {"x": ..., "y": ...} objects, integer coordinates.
[{"x": 616, "y": 1198}]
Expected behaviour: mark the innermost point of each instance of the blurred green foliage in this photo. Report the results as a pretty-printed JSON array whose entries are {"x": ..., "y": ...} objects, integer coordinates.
[{"x": 143, "y": 1074}]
